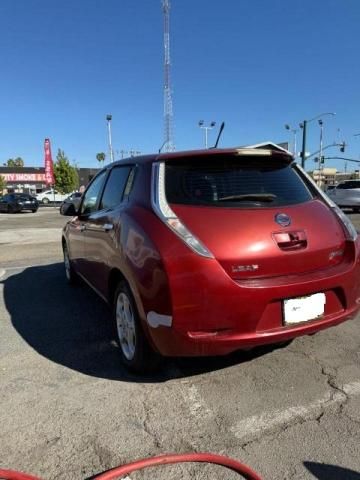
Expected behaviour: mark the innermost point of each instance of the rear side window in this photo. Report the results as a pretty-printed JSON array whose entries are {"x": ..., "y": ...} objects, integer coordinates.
[
  {"x": 249, "y": 182},
  {"x": 114, "y": 188}
]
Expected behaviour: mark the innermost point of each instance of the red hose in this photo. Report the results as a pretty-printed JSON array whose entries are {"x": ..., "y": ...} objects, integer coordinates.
[
  {"x": 117, "y": 472},
  {"x": 227, "y": 462},
  {"x": 12, "y": 475}
]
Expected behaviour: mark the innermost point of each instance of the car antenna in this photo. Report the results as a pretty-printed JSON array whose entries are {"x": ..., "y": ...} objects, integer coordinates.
[{"x": 220, "y": 132}]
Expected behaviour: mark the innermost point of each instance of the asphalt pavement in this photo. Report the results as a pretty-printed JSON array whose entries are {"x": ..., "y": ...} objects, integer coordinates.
[{"x": 69, "y": 410}]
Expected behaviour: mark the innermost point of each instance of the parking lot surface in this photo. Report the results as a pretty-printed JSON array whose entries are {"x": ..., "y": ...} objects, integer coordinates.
[{"x": 69, "y": 410}]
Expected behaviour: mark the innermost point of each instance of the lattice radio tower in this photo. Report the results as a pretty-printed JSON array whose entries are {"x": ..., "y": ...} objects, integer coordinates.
[{"x": 168, "y": 108}]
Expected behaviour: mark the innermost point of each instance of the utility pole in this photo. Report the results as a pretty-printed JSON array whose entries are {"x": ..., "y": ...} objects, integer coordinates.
[{"x": 303, "y": 150}]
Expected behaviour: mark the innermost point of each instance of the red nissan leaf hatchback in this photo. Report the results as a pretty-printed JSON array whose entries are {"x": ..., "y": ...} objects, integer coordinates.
[{"x": 207, "y": 252}]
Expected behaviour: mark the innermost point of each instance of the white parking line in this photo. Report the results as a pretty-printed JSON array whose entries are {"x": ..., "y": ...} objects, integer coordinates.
[
  {"x": 352, "y": 389},
  {"x": 25, "y": 236},
  {"x": 24, "y": 267},
  {"x": 251, "y": 427},
  {"x": 195, "y": 402}
]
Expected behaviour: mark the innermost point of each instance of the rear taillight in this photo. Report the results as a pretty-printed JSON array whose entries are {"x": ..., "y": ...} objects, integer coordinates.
[
  {"x": 165, "y": 213},
  {"x": 349, "y": 229}
]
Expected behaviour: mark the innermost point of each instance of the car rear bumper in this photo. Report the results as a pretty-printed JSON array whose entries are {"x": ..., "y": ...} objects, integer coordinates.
[
  {"x": 29, "y": 207},
  {"x": 170, "y": 342},
  {"x": 214, "y": 315}
]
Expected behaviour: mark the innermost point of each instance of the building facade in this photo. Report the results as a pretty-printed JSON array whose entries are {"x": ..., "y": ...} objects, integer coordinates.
[{"x": 32, "y": 179}]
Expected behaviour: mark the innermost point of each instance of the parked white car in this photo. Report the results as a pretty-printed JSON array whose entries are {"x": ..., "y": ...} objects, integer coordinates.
[
  {"x": 346, "y": 194},
  {"x": 51, "y": 196}
]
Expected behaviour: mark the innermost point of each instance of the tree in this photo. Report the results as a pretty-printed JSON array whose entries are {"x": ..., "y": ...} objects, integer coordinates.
[
  {"x": 17, "y": 162},
  {"x": 66, "y": 176},
  {"x": 2, "y": 183},
  {"x": 100, "y": 157}
]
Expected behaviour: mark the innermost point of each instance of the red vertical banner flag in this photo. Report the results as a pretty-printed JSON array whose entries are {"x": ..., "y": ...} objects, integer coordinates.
[{"x": 49, "y": 167}]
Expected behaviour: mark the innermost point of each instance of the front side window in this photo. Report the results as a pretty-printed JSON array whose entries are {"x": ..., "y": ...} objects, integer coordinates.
[
  {"x": 92, "y": 194},
  {"x": 114, "y": 188},
  {"x": 234, "y": 181}
]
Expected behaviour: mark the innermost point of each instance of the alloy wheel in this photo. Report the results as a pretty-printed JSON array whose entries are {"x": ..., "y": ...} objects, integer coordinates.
[
  {"x": 125, "y": 325},
  {"x": 67, "y": 264}
]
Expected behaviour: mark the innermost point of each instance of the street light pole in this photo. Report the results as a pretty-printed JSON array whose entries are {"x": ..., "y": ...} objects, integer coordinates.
[
  {"x": 108, "y": 119},
  {"x": 294, "y": 131},
  {"x": 206, "y": 128},
  {"x": 321, "y": 123},
  {"x": 303, "y": 125}
]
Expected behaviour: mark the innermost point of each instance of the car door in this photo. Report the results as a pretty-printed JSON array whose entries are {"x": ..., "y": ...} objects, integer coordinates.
[
  {"x": 77, "y": 225},
  {"x": 103, "y": 229}
]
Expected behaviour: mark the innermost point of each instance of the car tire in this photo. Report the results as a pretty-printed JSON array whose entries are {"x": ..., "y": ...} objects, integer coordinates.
[
  {"x": 10, "y": 209},
  {"x": 135, "y": 351},
  {"x": 45, "y": 200},
  {"x": 70, "y": 274},
  {"x": 34, "y": 210}
]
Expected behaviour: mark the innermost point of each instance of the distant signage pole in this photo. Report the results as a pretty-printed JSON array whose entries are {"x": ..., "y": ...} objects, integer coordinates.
[{"x": 49, "y": 166}]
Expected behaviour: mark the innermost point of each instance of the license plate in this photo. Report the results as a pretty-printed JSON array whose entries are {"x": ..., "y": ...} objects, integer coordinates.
[{"x": 303, "y": 309}]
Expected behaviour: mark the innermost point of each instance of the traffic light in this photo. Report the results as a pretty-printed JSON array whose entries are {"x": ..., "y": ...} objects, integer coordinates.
[
  {"x": 322, "y": 159},
  {"x": 342, "y": 147}
]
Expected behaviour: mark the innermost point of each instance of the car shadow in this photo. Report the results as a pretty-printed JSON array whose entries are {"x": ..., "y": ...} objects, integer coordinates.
[
  {"x": 323, "y": 471},
  {"x": 72, "y": 326}
]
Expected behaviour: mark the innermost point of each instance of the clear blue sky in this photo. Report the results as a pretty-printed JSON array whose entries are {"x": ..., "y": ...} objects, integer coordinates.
[{"x": 255, "y": 64}]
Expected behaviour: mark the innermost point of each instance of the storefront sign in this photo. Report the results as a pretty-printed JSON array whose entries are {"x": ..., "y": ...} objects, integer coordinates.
[{"x": 24, "y": 177}]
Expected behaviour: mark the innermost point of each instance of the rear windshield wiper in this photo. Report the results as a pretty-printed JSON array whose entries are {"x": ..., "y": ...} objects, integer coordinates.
[{"x": 260, "y": 197}]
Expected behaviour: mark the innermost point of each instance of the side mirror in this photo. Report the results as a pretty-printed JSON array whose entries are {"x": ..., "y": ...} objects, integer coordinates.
[
  {"x": 69, "y": 209},
  {"x": 76, "y": 202}
]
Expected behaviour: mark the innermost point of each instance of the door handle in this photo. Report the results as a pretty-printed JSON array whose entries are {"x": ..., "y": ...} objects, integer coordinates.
[{"x": 107, "y": 227}]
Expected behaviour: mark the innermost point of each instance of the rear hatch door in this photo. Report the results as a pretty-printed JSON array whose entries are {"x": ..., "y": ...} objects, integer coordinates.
[{"x": 255, "y": 214}]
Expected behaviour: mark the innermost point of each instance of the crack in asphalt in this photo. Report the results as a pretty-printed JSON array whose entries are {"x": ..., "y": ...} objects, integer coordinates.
[
  {"x": 271, "y": 424},
  {"x": 146, "y": 425}
]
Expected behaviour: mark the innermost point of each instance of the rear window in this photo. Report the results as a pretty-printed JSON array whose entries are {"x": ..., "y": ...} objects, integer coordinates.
[
  {"x": 228, "y": 181},
  {"x": 23, "y": 196}
]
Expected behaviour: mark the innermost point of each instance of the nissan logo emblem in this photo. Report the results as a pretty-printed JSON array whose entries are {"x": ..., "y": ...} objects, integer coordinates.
[{"x": 282, "y": 219}]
